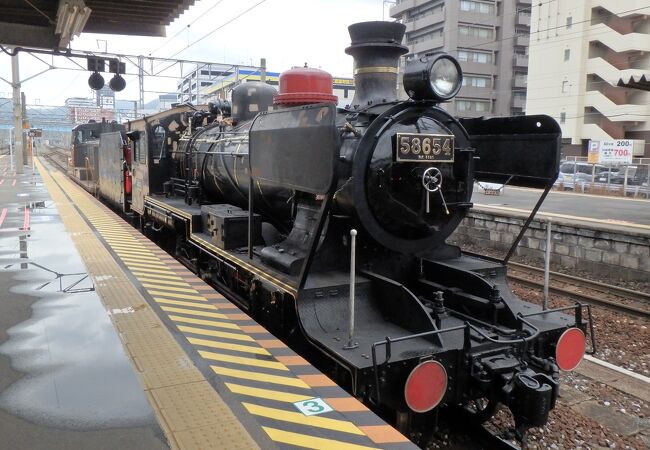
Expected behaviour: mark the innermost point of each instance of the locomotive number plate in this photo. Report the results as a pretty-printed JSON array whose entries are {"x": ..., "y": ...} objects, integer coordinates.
[{"x": 424, "y": 147}]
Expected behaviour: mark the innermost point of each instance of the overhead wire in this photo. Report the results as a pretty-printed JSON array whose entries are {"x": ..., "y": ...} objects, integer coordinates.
[{"x": 167, "y": 41}]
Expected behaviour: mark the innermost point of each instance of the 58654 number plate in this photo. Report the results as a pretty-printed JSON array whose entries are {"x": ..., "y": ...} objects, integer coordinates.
[{"x": 424, "y": 147}]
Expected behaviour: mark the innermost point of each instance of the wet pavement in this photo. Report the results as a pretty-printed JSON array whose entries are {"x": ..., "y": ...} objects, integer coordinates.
[{"x": 65, "y": 381}]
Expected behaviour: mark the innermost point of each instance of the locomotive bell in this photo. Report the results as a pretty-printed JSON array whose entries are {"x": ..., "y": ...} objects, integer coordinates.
[{"x": 376, "y": 48}]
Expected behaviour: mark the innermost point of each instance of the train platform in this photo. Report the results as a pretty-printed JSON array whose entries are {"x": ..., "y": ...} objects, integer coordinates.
[{"x": 106, "y": 340}]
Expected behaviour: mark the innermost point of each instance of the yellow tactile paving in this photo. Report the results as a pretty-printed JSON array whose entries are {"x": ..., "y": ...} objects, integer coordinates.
[{"x": 152, "y": 348}]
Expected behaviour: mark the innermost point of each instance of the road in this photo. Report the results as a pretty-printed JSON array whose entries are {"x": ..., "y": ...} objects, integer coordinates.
[{"x": 595, "y": 209}]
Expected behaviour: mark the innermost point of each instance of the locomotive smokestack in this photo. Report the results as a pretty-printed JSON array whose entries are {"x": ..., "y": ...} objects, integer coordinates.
[{"x": 376, "y": 48}]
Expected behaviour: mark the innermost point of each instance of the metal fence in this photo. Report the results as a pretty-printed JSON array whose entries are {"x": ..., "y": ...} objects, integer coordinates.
[{"x": 631, "y": 180}]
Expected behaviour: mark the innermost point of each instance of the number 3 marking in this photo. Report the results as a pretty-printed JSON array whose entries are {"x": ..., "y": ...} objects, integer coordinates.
[{"x": 312, "y": 406}]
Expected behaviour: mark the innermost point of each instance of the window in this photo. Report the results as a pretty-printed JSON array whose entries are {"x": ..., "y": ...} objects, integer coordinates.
[
  {"x": 567, "y": 54},
  {"x": 569, "y": 22},
  {"x": 565, "y": 87},
  {"x": 471, "y": 56},
  {"x": 562, "y": 117},
  {"x": 476, "y": 81},
  {"x": 477, "y": 32},
  {"x": 159, "y": 144},
  {"x": 476, "y": 7},
  {"x": 473, "y": 105}
]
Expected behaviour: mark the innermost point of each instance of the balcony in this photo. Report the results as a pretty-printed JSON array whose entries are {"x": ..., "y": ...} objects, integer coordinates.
[
  {"x": 478, "y": 18},
  {"x": 519, "y": 102},
  {"x": 519, "y": 82},
  {"x": 522, "y": 19},
  {"x": 482, "y": 43},
  {"x": 522, "y": 41},
  {"x": 520, "y": 61},
  {"x": 431, "y": 19},
  {"x": 400, "y": 7},
  {"x": 478, "y": 68},
  {"x": 427, "y": 45}
]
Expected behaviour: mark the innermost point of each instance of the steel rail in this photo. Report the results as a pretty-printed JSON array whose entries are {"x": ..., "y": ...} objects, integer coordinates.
[
  {"x": 587, "y": 284},
  {"x": 590, "y": 284}
]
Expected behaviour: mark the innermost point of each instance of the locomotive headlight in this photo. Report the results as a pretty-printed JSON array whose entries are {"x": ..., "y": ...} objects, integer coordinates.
[{"x": 434, "y": 77}]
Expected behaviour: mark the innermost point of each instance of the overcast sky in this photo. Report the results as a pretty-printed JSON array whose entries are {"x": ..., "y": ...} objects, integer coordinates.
[{"x": 285, "y": 32}]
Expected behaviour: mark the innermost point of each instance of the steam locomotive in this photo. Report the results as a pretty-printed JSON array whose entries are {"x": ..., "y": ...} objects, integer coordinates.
[{"x": 329, "y": 226}]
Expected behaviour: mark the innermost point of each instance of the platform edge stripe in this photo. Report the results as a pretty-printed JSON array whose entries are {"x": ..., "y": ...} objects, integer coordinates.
[
  {"x": 125, "y": 246},
  {"x": 215, "y": 333},
  {"x": 171, "y": 309},
  {"x": 198, "y": 298},
  {"x": 311, "y": 442},
  {"x": 262, "y": 377},
  {"x": 170, "y": 301},
  {"x": 211, "y": 323},
  {"x": 242, "y": 360},
  {"x": 156, "y": 268},
  {"x": 143, "y": 280},
  {"x": 138, "y": 268},
  {"x": 228, "y": 346},
  {"x": 343, "y": 426},
  {"x": 186, "y": 290},
  {"x": 141, "y": 262},
  {"x": 128, "y": 254},
  {"x": 137, "y": 274},
  {"x": 268, "y": 394}
]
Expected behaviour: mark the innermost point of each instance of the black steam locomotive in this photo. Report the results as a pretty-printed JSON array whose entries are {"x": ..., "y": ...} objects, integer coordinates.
[{"x": 329, "y": 226}]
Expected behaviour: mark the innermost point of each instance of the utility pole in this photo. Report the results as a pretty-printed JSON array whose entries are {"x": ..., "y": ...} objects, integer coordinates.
[{"x": 18, "y": 114}]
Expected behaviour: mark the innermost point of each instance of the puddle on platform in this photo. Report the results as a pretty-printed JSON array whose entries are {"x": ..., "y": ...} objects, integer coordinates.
[{"x": 76, "y": 374}]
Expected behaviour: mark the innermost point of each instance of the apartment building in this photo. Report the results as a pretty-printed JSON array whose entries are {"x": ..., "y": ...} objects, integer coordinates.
[
  {"x": 490, "y": 39},
  {"x": 579, "y": 52}
]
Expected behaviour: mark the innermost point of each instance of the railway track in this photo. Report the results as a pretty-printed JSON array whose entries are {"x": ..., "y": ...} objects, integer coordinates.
[{"x": 583, "y": 290}]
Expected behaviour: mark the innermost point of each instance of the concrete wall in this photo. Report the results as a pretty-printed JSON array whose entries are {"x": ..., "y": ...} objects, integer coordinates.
[{"x": 604, "y": 251}]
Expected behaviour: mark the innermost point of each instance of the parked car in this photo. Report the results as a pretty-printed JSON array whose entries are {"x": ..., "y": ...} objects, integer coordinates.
[
  {"x": 636, "y": 176},
  {"x": 581, "y": 172}
]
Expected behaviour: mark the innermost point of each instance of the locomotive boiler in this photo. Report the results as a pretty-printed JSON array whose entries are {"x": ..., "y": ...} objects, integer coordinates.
[{"x": 329, "y": 226}]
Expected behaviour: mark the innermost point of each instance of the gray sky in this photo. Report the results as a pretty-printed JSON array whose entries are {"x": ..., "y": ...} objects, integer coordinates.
[{"x": 286, "y": 32}]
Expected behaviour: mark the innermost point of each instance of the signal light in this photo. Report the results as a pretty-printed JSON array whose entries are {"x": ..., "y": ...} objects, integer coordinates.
[
  {"x": 117, "y": 83},
  {"x": 425, "y": 386},
  {"x": 96, "y": 81},
  {"x": 570, "y": 349}
]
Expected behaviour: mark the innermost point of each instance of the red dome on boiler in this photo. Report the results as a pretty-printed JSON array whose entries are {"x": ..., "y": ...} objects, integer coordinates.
[{"x": 304, "y": 85}]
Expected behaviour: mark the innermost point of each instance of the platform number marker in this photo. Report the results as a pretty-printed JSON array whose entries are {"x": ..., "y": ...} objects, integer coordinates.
[{"x": 313, "y": 406}]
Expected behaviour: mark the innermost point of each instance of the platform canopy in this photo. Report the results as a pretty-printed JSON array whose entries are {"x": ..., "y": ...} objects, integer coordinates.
[
  {"x": 52, "y": 23},
  {"x": 639, "y": 82}
]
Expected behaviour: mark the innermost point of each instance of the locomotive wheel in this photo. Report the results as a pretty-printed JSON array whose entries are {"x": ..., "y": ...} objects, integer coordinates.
[{"x": 482, "y": 409}]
